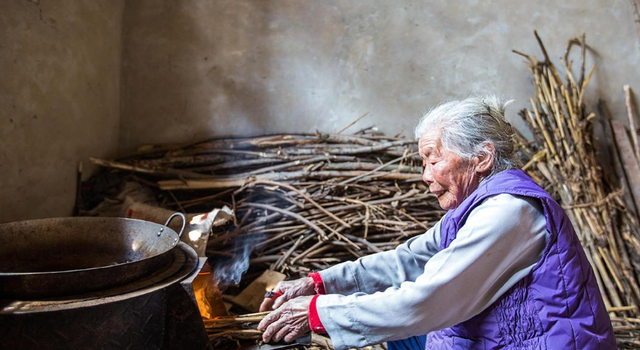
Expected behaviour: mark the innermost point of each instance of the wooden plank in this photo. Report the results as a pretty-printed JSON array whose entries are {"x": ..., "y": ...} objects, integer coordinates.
[
  {"x": 629, "y": 161},
  {"x": 610, "y": 159},
  {"x": 632, "y": 119},
  {"x": 251, "y": 297}
]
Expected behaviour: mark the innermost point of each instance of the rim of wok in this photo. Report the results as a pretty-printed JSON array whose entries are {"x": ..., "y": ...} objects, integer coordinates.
[{"x": 165, "y": 230}]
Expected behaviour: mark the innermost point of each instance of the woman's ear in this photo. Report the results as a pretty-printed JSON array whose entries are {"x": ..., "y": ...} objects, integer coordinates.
[{"x": 486, "y": 159}]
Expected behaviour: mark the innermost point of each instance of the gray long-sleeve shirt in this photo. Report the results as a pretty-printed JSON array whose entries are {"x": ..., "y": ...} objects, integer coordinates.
[{"x": 416, "y": 289}]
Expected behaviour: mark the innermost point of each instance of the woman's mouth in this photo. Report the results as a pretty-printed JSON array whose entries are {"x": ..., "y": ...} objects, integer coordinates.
[{"x": 438, "y": 193}]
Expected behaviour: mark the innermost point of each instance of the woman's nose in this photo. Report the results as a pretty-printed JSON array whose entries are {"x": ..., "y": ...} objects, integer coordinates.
[{"x": 427, "y": 176}]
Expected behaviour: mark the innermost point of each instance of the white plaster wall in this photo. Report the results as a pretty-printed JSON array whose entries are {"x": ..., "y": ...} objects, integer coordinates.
[
  {"x": 59, "y": 99},
  {"x": 194, "y": 69}
]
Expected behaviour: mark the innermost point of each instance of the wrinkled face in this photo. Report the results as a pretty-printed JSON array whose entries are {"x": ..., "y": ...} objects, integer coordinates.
[{"x": 450, "y": 177}]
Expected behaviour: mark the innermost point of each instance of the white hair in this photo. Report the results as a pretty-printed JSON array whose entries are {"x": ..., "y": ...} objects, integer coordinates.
[{"x": 465, "y": 127}]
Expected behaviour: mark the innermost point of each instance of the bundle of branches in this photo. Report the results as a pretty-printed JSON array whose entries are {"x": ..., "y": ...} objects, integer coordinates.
[
  {"x": 225, "y": 329},
  {"x": 564, "y": 160},
  {"x": 302, "y": 201}
]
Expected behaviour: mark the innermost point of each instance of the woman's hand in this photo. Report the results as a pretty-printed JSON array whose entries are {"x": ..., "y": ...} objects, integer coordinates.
[
  {"x": 289, "y": 321},
  {"x": 289, "y": 289}
]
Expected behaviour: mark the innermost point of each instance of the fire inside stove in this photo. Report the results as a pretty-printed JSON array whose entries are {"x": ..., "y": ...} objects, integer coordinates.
[
  {"x": 235, "y": 331},
  {"x": 208, "y": 295}
]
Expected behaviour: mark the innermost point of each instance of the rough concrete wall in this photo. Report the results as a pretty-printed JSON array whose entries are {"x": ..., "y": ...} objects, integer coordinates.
[
  {"x": 59, "y": 99},
  {"x": 193, "y": 69}
]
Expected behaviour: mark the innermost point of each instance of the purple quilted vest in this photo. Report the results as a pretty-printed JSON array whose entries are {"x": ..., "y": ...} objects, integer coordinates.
[{"x": 556, "y": 306}]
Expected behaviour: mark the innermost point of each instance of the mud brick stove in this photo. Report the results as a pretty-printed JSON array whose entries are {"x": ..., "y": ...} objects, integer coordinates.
[
  {"x": 155, "y": 311},
  {"x": 158, "y": 312}
]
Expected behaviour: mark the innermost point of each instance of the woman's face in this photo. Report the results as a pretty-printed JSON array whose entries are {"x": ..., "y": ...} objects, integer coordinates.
[{"x": 450, "y": 177}]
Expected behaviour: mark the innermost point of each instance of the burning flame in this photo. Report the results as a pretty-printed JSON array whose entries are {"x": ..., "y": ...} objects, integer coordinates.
[{"x": 208, "y": 296}]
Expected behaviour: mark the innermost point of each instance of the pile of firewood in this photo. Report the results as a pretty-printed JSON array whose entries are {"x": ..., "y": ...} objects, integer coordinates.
[
  {"x": 301, "y": 202},
  {"x": 588, "y": 180}
]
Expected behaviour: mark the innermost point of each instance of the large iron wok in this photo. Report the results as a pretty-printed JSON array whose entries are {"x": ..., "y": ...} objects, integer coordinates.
[{"x": 66, "y": 256}]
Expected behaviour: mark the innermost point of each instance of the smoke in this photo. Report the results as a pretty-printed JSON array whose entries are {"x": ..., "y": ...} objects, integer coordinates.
[{"x": 228, "y": 270}]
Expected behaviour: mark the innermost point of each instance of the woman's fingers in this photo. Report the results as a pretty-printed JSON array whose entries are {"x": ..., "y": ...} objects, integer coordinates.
[
  {"x": 293, "y": 335},
  {"x": 282, "y": 332},
  {"x": 269, "y": 332},
  {"x": 269, "y": 319},
  {"x": 268, "y": 302},
  {"x": 277, "y": 326},
  {"x": 267, "y": 305},
  {"x": 287, "y": 327},
  {"x": 287, "y": 290},
  {"x": 283, "y": 299},
  {"x": 288, "y": 322}
]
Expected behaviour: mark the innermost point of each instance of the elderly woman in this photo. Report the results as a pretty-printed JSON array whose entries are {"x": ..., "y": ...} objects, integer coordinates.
[{"x": 502, "y": 269}]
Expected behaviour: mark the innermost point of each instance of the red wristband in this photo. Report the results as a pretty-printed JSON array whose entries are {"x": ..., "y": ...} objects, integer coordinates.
[
  {"x": 317, "y": 281},
  {"x": 314, "y": 320}
]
